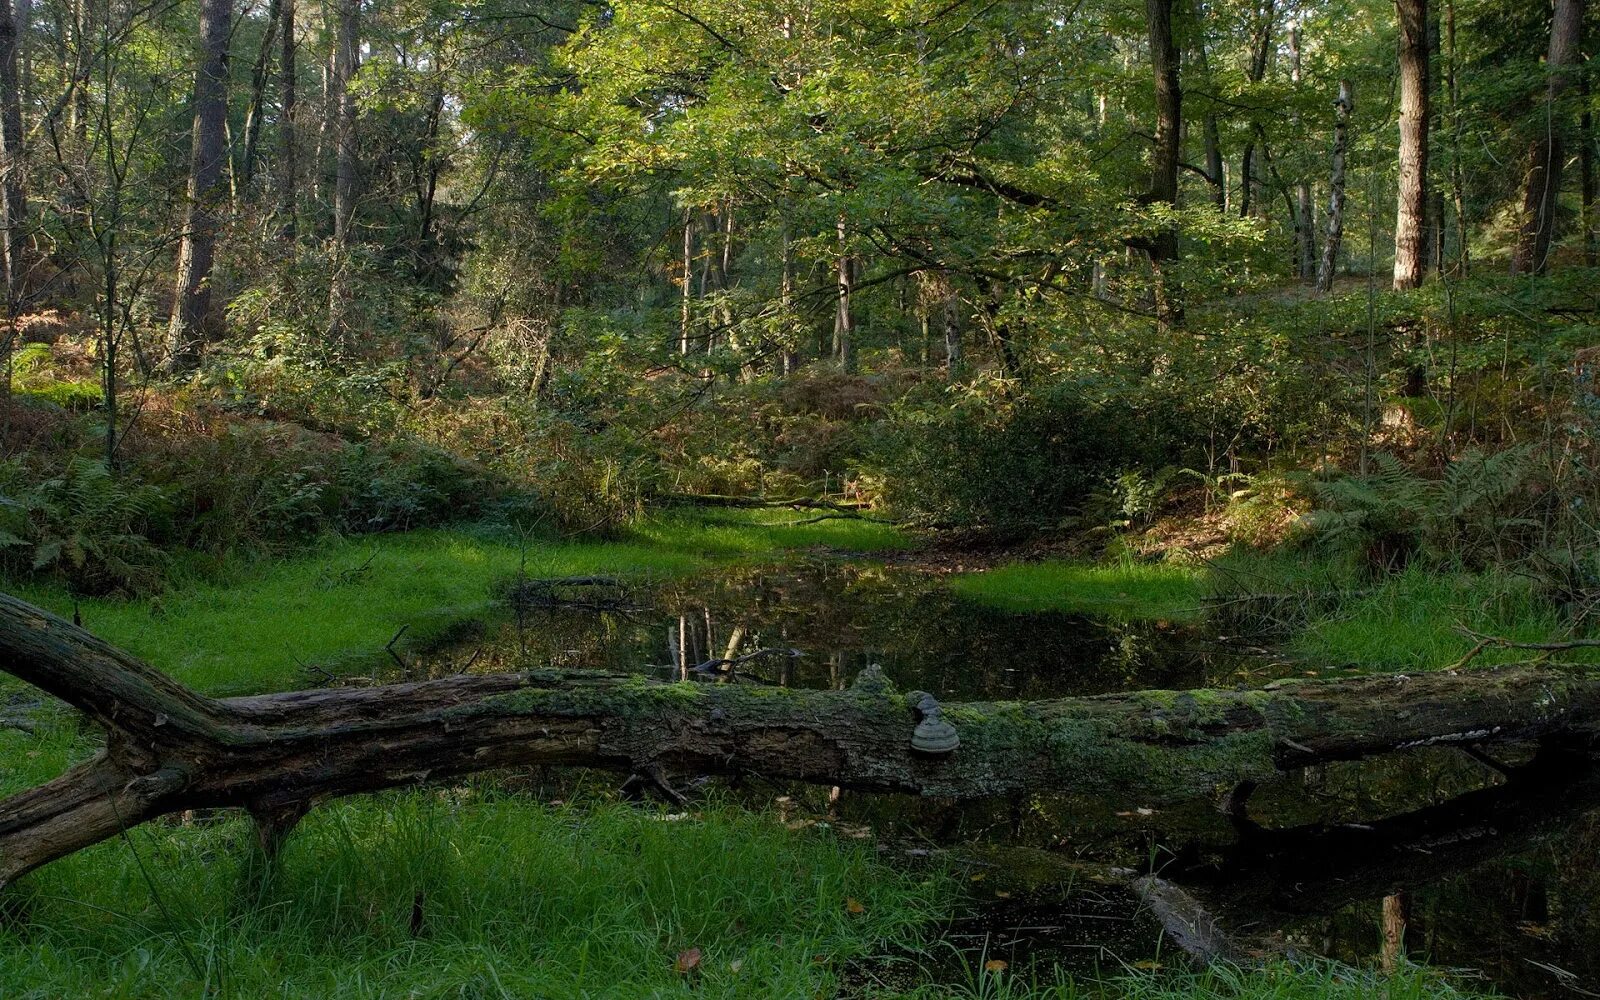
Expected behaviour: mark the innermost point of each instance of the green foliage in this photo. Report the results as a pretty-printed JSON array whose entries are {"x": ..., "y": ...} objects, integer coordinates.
[
  {"x": 1485, "y": 508},
  {"x": 987, "y": 457},
  {"x": 83, "y": 526}
]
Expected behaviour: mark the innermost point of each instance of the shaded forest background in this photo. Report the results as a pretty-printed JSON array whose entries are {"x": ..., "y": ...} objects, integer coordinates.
[{"x": 274, "y": 268}]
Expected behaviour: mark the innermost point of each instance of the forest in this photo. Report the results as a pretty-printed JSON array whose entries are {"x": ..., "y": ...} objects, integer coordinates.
[{"x": 863, "y": 499}]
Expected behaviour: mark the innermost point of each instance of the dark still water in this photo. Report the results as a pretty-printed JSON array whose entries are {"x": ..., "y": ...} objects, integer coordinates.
[{"x": 1494, "y": 875}]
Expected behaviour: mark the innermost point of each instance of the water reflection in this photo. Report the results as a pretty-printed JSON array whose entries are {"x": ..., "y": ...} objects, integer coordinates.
[{"x": 1431, "y": 854}]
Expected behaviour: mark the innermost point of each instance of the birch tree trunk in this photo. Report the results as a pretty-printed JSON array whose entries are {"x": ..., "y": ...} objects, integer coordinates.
[
  {"x": 1547, "y": 152},
  {"x": 1341, "y": 132},
  {"x": 192, "y": 302},
  {"x": 844, "y": 317},
  {"x": 1410, "y": 228}
]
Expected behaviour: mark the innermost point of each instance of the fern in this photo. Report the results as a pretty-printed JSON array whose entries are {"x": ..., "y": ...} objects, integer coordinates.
[{"x": 84, "y": 525}]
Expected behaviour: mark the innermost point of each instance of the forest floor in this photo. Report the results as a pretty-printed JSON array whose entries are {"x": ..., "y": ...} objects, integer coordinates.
[{"x": 499, "y": 887}]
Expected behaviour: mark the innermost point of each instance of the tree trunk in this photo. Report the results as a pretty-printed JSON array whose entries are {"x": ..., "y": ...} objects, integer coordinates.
[
  {"x": 288, "y": 145},
  {"x": 192, "y": 303},
  {"x": 1165, "y": 155},
  {"x": 258, "y": 95},
  {"x": 1457, "y": 176},
  {"x": 13, "y": 191},
  {"x": 346, "y": 60},
  {"x": 1547, "y": 152},
  {"x": 1410, "y": 228},
  {"x": 1305, "y": 213},
  {"x": 952, "y": 333},
  {"x": 843, "y": 317},
  {"x": 1341, "y": 131},
  {"x": 170, "y": 749},
  {"x": 1212, "y": 140}
]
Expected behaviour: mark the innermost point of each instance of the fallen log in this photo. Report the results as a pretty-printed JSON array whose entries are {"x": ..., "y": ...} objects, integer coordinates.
[{"x": 169, "y": 748}]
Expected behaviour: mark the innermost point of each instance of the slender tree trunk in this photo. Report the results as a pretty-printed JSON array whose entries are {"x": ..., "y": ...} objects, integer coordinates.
[
  {"x": 952, "y": 333},
  {"x": 790, "y": 347},
  {"x": 1547, "y": 152},
  {"x": 13, "y": 191},
  {"x": 1305, "y": 222},
  {"x": 844, "y": 317},
  {"x": 1457, "y": 176},
  {"x": 1410, "y": 229},
  {"x": 346, "y": 60},
  {"x": 686, "y": 302},
  {"x": 288, "y": 145},
  {"x": 1211, "y": 138},
  {"x": 258, "y": 95},
  {"x": 1250, "y": 170},
  {"x": 192, "y": 303},
  {"x": 1341, "y": 131}
]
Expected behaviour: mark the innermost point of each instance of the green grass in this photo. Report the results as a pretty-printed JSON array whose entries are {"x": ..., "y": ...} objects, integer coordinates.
[
  {"x": 1122, "y": 589},
  {"x": 252, "y": 631},
  {"x": 462, "y": 892},
  {"x": 1415, "y": 621}
]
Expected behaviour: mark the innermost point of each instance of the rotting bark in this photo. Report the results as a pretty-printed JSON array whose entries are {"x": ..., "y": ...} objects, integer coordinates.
[{"x": 171, "y": 749}]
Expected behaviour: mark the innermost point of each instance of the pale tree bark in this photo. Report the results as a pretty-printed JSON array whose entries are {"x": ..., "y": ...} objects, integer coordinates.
[
  {"x": 844, "y": 322},
  {"x": 952, "y": 333},
  {"x": 346, "y": 61},
  {"x": 192, "y": 302},
  {"x": 1547, "y": 152},
  {"x": 13, "y": 191},
  {"x": 288, "y": 144},
  {"x": 686, "y": 300},
  {"x": 1341, "y": 137},
  {"x": 1411, "y": 215}
]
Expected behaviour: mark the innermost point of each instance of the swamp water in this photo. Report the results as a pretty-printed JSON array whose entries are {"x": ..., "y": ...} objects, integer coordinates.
[{"x": 1500, "y": 880}]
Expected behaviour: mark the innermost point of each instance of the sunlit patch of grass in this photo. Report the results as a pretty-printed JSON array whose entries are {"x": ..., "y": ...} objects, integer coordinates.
[
  {"x": 1123, "y": 589},
  {"x": 765, "y": 531},
  {"x": 463, "y": 892},
  {"x": 258, "y": 628},
  {"x": 1418, "y": 620}
]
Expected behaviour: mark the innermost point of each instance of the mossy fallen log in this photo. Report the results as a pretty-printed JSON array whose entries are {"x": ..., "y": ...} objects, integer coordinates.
[{"x": 169, "y": 748}]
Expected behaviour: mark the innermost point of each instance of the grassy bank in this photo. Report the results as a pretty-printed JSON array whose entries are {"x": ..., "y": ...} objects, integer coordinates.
[
  {"x": 1315, "y": 609},
  {"x": 258, "y": 628},
  {"x": 1123, "y": 589}
]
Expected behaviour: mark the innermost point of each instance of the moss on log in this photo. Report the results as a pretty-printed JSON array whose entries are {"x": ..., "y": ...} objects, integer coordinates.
[{"x": 169, "y": 748}]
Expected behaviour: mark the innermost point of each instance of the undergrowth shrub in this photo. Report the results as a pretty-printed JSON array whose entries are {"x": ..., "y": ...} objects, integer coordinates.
[
  {"x": 984, "y": 458},
  {"x": 83, "y": 526}
]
